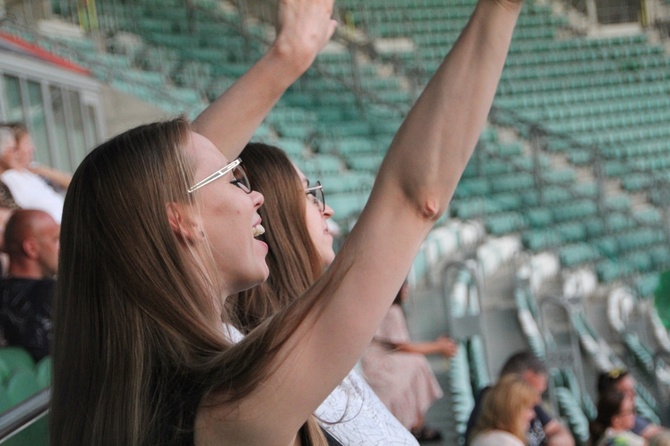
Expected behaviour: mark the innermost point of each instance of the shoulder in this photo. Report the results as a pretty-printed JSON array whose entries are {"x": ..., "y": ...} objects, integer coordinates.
[
  {"x": 542, "y": 415},
  {"x": 640, "y": 424},
  {"x": 496, "y": 438},
  {"x": 23, "y": 285}
]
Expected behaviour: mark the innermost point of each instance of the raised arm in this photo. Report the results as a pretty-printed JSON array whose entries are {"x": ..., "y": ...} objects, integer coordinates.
[
  {"x": 415, "y": 183},
  {"x": 304, "y": 28}
]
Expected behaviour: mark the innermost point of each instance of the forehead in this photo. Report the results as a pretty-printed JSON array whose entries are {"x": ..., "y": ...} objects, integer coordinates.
[
  {"x": 303, "y": 177},
  {"x": 626, "y": 383},
  {"x": 206, "y": 157}
]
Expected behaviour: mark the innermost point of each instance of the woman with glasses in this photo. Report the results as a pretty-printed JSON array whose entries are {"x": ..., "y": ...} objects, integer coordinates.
[
  {"x": 614, "y": 421},
  {"x": 620, "y": 380},
  {"x": 300, "y": 247},
  {"x": 149, "y": 254}
]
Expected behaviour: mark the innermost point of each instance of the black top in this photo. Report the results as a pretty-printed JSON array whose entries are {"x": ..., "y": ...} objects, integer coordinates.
[{"x": 25, "y": 313}]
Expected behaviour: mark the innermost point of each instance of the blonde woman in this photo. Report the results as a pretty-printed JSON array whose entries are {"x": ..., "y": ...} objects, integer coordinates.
[{"x": 507, "y": 411}]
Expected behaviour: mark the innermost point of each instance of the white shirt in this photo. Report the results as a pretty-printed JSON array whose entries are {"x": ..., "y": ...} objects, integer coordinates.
[
  {"x": 30, "y": 191},
  {"x": 353, "y": 413}
]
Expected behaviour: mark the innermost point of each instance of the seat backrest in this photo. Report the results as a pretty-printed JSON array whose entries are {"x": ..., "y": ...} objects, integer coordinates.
[
  {"x": 43, "y": 369},
  {"x": 15, "y": 358},
  {"x": 22, "y": 385}
]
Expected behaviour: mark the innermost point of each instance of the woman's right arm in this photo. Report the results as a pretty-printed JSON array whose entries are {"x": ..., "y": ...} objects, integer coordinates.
[{"x": 304, "y": 28}]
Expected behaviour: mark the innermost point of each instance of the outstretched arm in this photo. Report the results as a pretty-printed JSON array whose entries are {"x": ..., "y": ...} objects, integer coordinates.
[
  {"x": 440, "y": 346},
  {"x": 415, "y": 183},
  {"x": 304, "y": 28}
]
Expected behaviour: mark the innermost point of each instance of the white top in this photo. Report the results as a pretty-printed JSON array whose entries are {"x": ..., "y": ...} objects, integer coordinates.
[
  {"x": 353, "y": 413},
  {"x": 496, "y": 438},
  {"x": 30, "y": 191}
]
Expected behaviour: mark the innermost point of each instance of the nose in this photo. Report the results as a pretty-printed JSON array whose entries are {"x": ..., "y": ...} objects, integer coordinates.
[
  {"x": 257, "y": 198},
  {"x": 328, "y": 211}
]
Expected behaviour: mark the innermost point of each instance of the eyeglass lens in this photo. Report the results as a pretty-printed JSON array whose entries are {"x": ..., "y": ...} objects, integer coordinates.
[
  {"x": 241, "y": 179},
  {"x": 317, "y": 193}
]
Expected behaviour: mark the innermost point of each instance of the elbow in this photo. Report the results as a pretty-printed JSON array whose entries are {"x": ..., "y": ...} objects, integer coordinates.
[{"x": 430, "y": 207}]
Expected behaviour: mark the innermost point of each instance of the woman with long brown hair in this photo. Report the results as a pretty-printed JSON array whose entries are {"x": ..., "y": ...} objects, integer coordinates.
[
  {"x": 295, "y": 215},
  {"x": 160, "y": 225}
]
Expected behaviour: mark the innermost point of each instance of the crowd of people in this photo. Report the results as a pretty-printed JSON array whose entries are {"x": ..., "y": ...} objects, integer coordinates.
[
  {"x": 31, "y": 202},
  {"x": 193, "y": 295}
]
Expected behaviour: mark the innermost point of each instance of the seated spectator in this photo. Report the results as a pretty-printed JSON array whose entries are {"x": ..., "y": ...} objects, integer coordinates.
[
  {"x": 29, "y": 189},
  {"x": 397, "y": 370},
  {"x": 621, "y": 381},
  {"x": 543, "y": 428},
  {"x": 26, "y": 295},
  {"x": 507, "y": 410},
  {"x": 615, "y": 419}
]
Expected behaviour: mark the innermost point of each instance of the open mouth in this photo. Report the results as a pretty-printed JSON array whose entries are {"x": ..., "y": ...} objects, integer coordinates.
[{"x": 258, "y": 230}]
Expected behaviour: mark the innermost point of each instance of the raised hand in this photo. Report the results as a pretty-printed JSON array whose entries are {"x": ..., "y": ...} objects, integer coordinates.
[{"x": 304, "y": 27}]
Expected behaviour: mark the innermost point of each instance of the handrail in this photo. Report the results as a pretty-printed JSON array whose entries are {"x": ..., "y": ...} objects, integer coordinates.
[{"x": 23, "y": 415}]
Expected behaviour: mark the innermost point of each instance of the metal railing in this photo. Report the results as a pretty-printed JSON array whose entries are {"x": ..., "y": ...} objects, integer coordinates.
[{"x": 24, "y": 415}]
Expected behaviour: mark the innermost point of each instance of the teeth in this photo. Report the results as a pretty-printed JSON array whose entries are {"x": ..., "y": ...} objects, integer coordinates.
[{"x": 258, "y": 230}]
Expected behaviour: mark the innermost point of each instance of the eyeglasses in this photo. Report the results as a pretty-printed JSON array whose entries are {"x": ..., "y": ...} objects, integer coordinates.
[
  {"x": 240, "y": 180},
  {"x": 318, "y": 198}
]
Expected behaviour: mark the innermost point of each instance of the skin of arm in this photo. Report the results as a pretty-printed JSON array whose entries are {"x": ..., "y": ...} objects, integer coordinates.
[
  {"x": 304, "y": 28},
  {"x": 558, "y": 435},
  {"x": 61, "y": 179},
  {"x": 415, "y": 183},
  {"x": 650, "y": 431},
  {"x": 441, "y": 346}
]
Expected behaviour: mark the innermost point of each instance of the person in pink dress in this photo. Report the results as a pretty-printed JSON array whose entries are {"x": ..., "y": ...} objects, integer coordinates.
[{"x": 397, "y": 370}]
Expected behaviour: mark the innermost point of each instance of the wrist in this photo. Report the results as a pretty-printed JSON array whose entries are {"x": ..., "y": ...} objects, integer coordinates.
[{"x": 288, "y": 61}]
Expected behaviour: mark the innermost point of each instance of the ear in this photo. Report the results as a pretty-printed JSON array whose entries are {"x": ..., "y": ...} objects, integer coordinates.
[
  {"x": 182, "y": 222},
  {"x": 30, "y": 248}
]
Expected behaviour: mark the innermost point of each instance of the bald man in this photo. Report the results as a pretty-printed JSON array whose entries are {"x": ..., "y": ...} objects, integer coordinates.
[{"x": 26, "y": 294}]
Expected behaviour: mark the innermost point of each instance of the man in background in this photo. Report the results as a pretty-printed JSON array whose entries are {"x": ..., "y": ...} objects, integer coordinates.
[{"x": 27, "y": 293}]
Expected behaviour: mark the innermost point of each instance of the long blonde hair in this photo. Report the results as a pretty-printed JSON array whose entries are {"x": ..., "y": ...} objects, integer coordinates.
[
  {"x": 503, "y": 406},
  {"x": 138, "y": 341}
]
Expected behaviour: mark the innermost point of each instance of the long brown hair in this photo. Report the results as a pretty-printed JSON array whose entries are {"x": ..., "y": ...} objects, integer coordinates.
[
  {"x": 293, "y": 260},
  {"x": 608, "y": 406},
  {"x": 138, "y": 342},
  {"x": 503, "y": 405}
]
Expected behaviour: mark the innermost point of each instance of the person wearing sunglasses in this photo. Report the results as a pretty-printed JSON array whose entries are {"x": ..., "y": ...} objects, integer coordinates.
[
  {"x": 300, "y": 248},
  {"x": 140, "y": 354}
]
